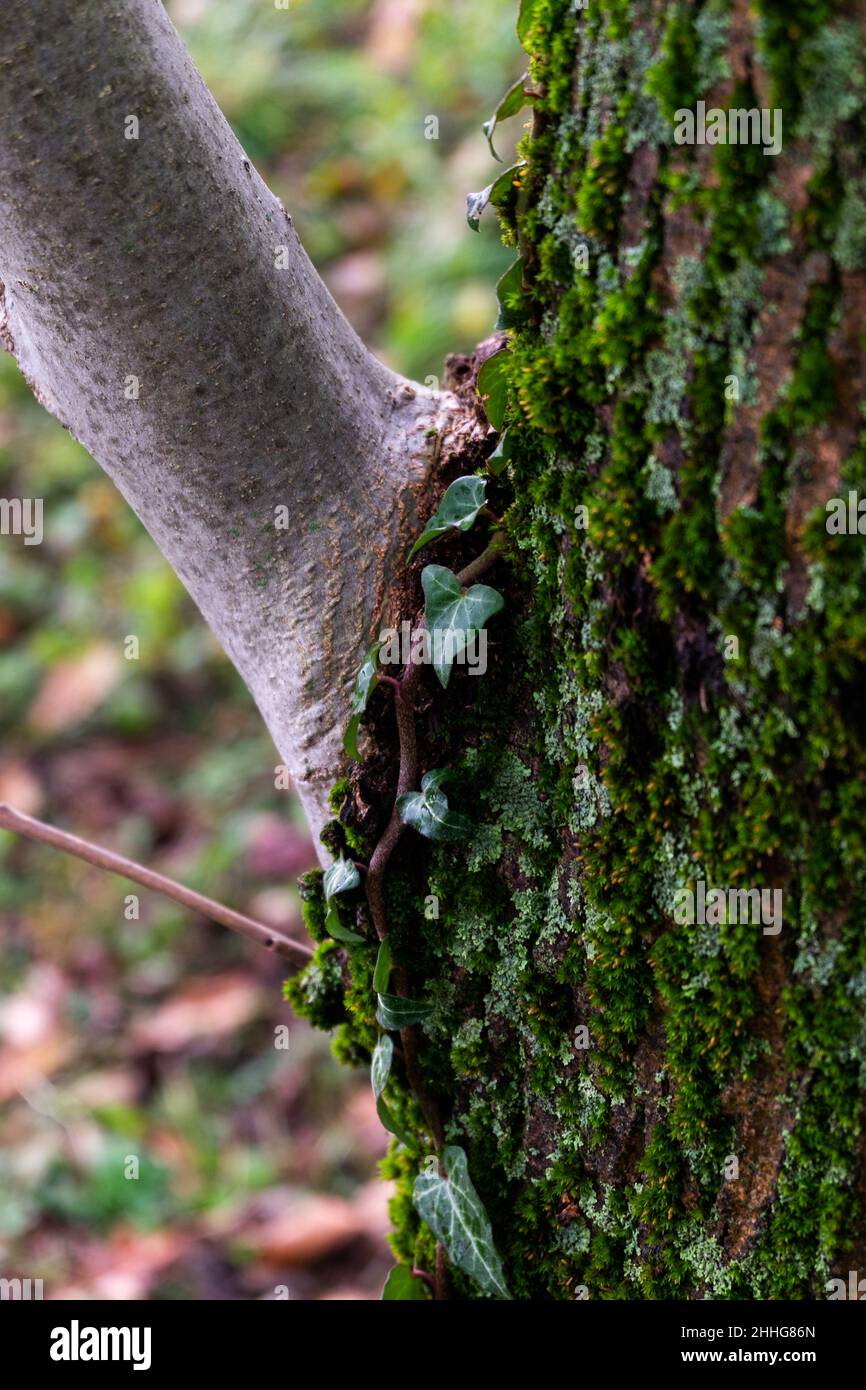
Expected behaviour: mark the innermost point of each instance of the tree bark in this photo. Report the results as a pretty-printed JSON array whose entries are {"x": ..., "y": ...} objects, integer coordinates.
[
  {"x": 656, "y": 1102},
  {"x": 159, "y": 302}
]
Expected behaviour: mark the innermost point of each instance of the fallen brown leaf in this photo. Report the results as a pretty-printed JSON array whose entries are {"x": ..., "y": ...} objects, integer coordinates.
[
  {"x": 208, "y": 1007},
  {"x": 73, "y": 689},
  {"x": 308, "y": 1229}
]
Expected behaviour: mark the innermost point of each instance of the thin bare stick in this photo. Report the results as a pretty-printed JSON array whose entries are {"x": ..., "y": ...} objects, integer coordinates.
[{"x": 292, "y": 951}]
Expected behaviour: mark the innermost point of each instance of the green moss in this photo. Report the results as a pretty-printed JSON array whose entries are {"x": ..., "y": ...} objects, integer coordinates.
[
  {"x": 850, "y": 242},
  {"x": 613, "y": 754}
]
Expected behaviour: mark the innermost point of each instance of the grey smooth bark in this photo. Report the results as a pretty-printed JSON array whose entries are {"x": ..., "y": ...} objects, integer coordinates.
[{"x": 159, "y": 303}]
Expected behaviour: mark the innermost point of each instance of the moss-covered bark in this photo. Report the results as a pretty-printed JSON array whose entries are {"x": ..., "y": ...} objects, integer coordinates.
[{"x": 677, "y": 694}]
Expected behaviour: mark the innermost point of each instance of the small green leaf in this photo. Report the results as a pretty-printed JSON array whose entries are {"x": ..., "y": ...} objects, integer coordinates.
[
  {"x": 455, "y": 1214},
  {"x": 427, "y": 811},
  {"x": 365, "y": 684},
  {"x": 388, "y": 1121},
  {"x": 383, "y": 967},
  {"x": 340, "y": 877},
  {"x": 454, "y": 616},
  {"x": 509, "y": 291},
  {"x": 380, "y": 1067},
  {"x": 404, "y": 1285},
  {"x": 350, "y": 738},
  {"x": 514, "y": 100},
  {"x": 458, "y": 509},
  {"x": 492, "y": 386},
  {"x": 395, "y": 1013},
  {"x": 335, "y": 928},
  {"x": 496, "y": 193},
  {"x": 498, "y": 460},
  {"x": 525, "y": 18}
]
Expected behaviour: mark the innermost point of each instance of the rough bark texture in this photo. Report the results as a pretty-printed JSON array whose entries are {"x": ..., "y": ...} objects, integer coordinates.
[
  {"x": 159, "y": 302},
  {"x": 688, "y": 366}
]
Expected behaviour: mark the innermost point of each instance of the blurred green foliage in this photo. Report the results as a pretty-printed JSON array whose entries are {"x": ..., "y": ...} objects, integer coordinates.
[{"x": 330, "y": 98}]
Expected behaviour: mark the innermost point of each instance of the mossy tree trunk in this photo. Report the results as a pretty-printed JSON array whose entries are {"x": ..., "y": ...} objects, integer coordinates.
[{"x": 653, "y": 1108}]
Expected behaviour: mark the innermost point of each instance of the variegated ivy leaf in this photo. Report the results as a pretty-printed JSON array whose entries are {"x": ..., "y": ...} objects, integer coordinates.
[
  {"x": 455, "y": 1214},
  {"x": 428, "y": 812},
  {"x": 514, "y": 100},
  {"x": 457, "y": 511},
  {"x": 454, "y": 616},
  {"x": 380, "y": 1067},
  {"x": 395, "y": 1013},
  {"x": 365, "y": 684},
  {"x": 340, "y": 877}
]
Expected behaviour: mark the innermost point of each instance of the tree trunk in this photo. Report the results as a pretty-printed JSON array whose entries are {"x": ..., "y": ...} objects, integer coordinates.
[
  {"x": 658, "y": 1099},
  {"x": 656, "y": 1107},
  {"x": 160, "y": 304}
]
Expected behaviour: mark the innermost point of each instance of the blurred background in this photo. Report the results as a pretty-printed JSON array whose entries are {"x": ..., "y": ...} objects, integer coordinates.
[{"x": 158, "y": 1044}]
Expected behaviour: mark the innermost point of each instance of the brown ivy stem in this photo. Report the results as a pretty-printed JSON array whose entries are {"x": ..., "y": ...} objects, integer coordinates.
[
  {"x": 404, "y": 707},
  {"x": 297, "y": 955},
  {"x": 405, "y": 691},
  {"x": 482, "y": 563},
  {"x": 404, "y": 704}
]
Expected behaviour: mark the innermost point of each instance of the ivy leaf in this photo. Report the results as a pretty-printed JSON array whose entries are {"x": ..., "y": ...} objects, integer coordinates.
[
  {"x": 475, "y": 205},
  {"x": 496, "y": 193},
  {"x": 403, "y": 1284},
  {"x": 395, "y": 1013},
  {"x": 498, "y": 460},
  {"x": 454, "y": 615},
  {"x": 365, "y": 684},
  {"x": 427, "y": 811},
  {"x": 525, "y": 19},
  {"x": 492, "y": 386},
  {"x": 458, "y": 509},
  {"x": 455, "y": 1214},
  {"x": 335, "y": 928},
  {"x": 509, "y": 292},
  {"x": 514, "y": 100},
  {"x": 383, "y": 967},
  {"x": 380, "y": 1067},
  {"x": 340, "y": 877},
  {"x": 389, "y": 1122}
]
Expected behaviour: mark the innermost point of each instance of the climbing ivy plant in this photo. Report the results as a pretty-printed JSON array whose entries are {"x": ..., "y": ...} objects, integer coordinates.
[{"x": 454, "y": 613}]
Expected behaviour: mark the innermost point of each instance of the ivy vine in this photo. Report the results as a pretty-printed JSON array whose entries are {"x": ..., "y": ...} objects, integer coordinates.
[{"x": 456, "y": 610}]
